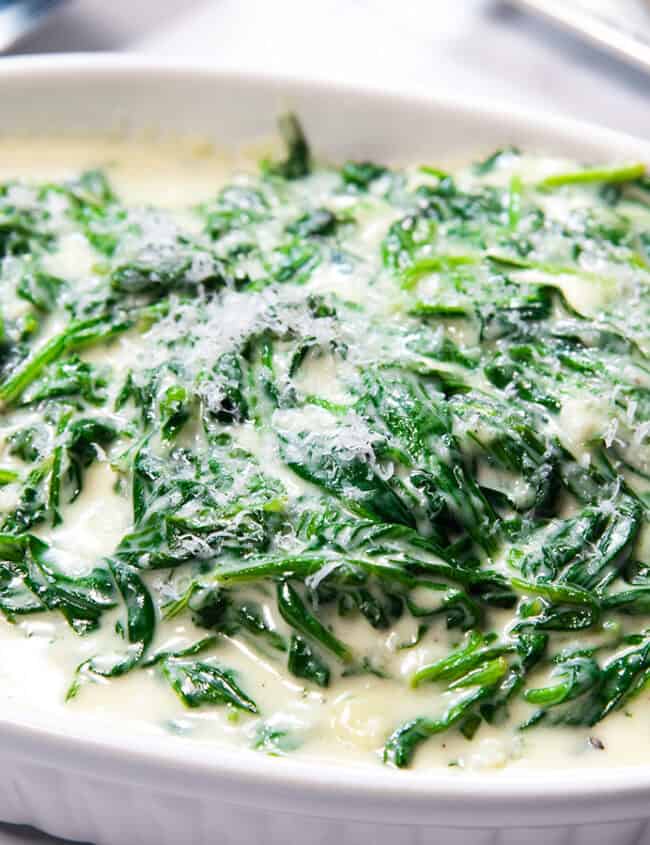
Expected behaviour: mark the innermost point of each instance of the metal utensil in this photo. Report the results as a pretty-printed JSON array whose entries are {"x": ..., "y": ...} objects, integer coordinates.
[
  {"x": 18, "y": 17},
  {"x": 611, "y": 31}
]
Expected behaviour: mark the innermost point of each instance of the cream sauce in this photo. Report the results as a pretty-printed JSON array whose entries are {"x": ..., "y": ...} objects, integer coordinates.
[{"x": 351, "y": 720}]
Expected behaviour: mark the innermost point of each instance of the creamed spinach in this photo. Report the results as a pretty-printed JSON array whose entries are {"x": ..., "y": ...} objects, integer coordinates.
[{"x": 360, "y": 417}]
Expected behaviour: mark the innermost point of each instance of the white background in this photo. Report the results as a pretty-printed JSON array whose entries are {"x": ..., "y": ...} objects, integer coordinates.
[{"x": 482, "y": 47}]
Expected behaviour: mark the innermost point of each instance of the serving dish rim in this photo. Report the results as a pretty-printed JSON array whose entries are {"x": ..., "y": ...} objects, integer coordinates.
[{"x": 74, "y": 743}]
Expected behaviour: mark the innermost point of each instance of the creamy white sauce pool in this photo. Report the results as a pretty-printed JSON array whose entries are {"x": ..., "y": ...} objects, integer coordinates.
[{"x": 350, "y": 720}]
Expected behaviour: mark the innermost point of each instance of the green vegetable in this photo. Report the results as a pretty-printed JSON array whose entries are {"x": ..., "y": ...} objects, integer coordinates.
[
  {"x": 30, "y": 582},
  {"x": 298, "y": 162},
  {"x": 624, "y": 173},
  {"x": 306, "y": 663},
  {"x": 361, "y": 174},
  {"x": 140, "y": 623},
  {"x": 402, "y": 744},
  {"x": 296, "y": 614},
  {"x": 339, "y": 407},
  {"x": 77, "y": 336},
  {"x": 197, "y": 683}
]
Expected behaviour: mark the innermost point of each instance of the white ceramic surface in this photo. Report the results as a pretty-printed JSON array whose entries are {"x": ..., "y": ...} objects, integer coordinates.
[{"x": 72, "y": 779}]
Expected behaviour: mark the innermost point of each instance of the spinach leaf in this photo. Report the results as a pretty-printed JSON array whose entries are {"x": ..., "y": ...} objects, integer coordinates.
[
  {"x": 197, "y": 683},
  {"x": 306, "y": 663}
]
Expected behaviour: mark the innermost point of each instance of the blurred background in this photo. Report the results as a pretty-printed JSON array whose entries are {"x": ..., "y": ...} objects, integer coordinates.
[{"x": 502, "y": 50}]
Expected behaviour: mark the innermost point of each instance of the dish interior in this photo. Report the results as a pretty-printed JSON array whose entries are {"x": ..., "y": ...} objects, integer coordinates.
[{"x": 340, "y": 462}]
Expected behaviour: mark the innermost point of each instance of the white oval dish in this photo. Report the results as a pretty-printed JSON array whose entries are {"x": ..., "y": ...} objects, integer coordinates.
[{"x": 72, "y": 778}]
